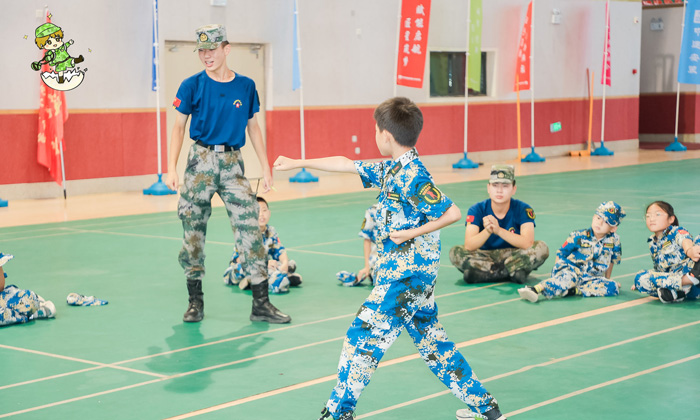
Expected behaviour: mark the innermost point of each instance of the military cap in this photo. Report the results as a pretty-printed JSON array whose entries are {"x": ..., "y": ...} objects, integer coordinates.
[
  {"x": 502, "y": 173},
  {"x": 209, "y": 37},
  {"x": 611, "y": 212}
]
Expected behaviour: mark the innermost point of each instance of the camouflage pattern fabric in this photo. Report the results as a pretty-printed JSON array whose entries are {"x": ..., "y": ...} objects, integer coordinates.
[
  {"x": 390, "y": 308},
  {"x": 582, "y": 262},
  {"x": 497, "y": 264},
  {"x": 369, "y": 231},
  {"x": 210, "y": 172},
  {"x": 670, "y": 263},
  {"x": 17, "y": 305}
]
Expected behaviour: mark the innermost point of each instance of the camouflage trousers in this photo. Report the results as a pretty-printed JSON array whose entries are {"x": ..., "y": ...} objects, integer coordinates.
[
  {"x": 497, "y": 264},
  {"x": 649, "y": 282},
  {"x": 409, "y": 304},
  {"x": 210, "y": 172},
  {"x": 17, "y": 305},
  {"x": 565, "y": 278}
]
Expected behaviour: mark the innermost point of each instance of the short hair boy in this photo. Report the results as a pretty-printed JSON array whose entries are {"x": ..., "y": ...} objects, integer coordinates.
[
  {"x": 499, "y": 240},
  {"x": 585, "y": 262},
  {"x": 281, "y": 271},
  {"x": 412, "y": 210}
]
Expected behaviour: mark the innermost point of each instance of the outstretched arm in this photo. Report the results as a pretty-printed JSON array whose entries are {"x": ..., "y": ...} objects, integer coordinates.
[
  {"x": 450, "y": 216},
  {"x": 328, "y": 164},
  {"x": 256, "y": 140}
]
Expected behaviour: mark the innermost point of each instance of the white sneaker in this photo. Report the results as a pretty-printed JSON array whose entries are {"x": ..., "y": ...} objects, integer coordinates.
[
  {"x": 528, "y": 294},
  {"x": 466, "y": 414},
  {"x": 244, "y": 284},
  {"x": 46, "y": 310}
]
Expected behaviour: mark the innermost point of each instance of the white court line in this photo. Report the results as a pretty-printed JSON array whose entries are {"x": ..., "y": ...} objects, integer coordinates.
[
  {"x": 75, "y": 359},
  {"x": 333, "y": 376},
  {"x": 530, "y": 367},
  {"x": 411, "y": 357},
  {"x": 602, "y": 385}
]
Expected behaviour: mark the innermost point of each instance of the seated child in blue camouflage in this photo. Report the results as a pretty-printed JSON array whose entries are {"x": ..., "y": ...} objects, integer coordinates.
[
  {"x": 499, "y": 239},
  {"x": 585, "y": 262},
  {"x": 17, "y": 305},
  {"x": 281, "y": 270},
  {"x": 412, "y": 210},
  {"x": 367, "y": 233},
  {"x": 676, "y": 273}
]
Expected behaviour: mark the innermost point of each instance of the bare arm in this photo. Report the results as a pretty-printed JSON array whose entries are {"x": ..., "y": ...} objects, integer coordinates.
[
  {"x": 452, "y": 215},
  {"x": 176, "y": 139},
  {"x": 328, "y": 164},
  {"x": 692, "y": 251},
  {"x": 367, "y": 248},
  {"x": 2, "y": 279},
  {"x": 256, "y": 140},
  {"x": 473, "y": 238},
  {"x": 608, "y": 272}
]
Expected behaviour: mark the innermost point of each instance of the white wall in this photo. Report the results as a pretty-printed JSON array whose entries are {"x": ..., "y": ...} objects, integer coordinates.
[{"x": 348, "y": 46}]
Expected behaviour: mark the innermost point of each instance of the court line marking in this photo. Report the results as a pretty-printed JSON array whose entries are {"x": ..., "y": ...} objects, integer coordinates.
[
  {"x": 151, "y": 356},
  {"x": 603, "y": 385},
  {"x": 327, "y": 378},
  {"x": 75, "y": 359},
  {"x": 414, "y": 356},
  {"x": 530, "y": 367}
]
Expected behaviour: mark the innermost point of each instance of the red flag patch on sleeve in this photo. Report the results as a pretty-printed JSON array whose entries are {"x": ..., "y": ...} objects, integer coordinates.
[
  {"x": 683, "y": 232},
  {"x": 176, "y": 102},
  {"x": 470, "y": 218}
]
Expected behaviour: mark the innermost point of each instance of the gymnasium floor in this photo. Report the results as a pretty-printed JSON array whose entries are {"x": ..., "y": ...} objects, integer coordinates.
[{"x": 625, "y": 357}]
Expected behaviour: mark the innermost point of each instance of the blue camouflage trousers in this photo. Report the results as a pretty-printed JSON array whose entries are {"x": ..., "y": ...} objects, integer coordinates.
[
  {"x": 210, "y": 172},
  {"x": 17, "y": 305},
  {"x": 589, "y": 285},
  {"x": 409, "y": 304},
  {"x": 649, "y": 282}
]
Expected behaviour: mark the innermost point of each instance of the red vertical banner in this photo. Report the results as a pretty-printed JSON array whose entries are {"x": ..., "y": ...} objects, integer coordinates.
[
  {"x": 605, "y": 78},
  {"x": 413, "y": 42},
  {"x": 52, "y": 114},
  {"x": 522, "y": 69}
]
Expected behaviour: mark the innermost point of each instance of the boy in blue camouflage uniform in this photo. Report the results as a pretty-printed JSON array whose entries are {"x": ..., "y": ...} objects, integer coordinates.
[
  {"x": 585, "y": 262},
  {"x": 18, "y": 306},
  {"x": 223, "y": 105},
  {"x": 499, "y": 239},
  {"x": 281, "y": 271},
  {"x": 676, "y": 273},
  {"x": 412, "y": 210}
]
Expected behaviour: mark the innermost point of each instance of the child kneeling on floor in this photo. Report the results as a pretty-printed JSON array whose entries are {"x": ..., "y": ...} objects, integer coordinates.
[{"x": 584, "y": 263}]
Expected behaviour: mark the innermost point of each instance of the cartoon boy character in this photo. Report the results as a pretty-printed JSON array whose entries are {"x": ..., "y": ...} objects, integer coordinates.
[{"x": 50, "y": 38}]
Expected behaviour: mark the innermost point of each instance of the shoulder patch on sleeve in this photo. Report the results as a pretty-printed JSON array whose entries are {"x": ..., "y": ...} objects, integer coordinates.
[
  {"x": 470, "y": 218},
  {"x": 530, "y": 213},
  {"x": 176, "y": 102},
  {"x": 429, "y": 193},
  {"x": 683, "y": 231}
]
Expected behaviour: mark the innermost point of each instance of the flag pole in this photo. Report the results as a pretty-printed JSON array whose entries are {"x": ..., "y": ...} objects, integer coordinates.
[
  {"x": 602, "y": 150},
  {"x": 159, "y": 187},
  {"x": 302, "y": 176},
  {"x": 517, "y": 113},
  {"x": 677, "y": 146},
  {"x": 398, "y": 41},
  {"x": 465, "y": 162},
  {"x": 533, "y": 156}
]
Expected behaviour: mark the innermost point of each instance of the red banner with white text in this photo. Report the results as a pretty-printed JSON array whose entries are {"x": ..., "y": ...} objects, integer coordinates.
[
  {"x": 522, "y": 68},
  {"x": 413, "y": 42}
]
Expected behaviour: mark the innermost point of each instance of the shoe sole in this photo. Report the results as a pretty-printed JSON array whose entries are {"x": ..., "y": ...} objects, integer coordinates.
[{"x": 528, "y": 294}]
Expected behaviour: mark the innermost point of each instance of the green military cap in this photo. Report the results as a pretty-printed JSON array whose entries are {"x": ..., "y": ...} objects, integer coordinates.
[
  {"x": 209, "y": 37},
  {"x": 502, "y": 173},
  {"x": 46, "y": 30}
]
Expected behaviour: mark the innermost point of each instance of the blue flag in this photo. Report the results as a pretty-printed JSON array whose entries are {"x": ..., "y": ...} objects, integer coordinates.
[
  {"x": 154, "y": 84},
  {"x": 689, "y": 59},
  {"x": 296, "y": 70}
]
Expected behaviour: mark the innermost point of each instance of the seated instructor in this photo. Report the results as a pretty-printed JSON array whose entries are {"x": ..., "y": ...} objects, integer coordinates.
[
  {"x": 223, "y": 105},
  {"x": 499, "y": 242}
]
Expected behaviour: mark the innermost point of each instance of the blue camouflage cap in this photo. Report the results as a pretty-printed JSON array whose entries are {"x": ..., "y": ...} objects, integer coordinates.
[{"x": 611, "y": 212}]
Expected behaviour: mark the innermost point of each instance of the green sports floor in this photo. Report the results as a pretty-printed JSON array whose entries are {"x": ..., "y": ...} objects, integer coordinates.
[{"x": 624, "y": 357}]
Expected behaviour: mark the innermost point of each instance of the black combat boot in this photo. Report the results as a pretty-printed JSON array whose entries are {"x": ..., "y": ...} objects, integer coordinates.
[
  {"x": 263, "y": 310},
  {"x": 195, "y": 312}
]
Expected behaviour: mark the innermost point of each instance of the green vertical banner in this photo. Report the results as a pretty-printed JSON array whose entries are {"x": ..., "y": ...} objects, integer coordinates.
[{"x": 475, "y": 17}]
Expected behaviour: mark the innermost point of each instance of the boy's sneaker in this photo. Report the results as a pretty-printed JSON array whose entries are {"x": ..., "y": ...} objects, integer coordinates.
[
  {"x": 492, "y": 414},
  {"x": 695, "y": 272},
  {"x": 670, "y": 295},
  {"x": 571, "y": 292},
  {"x": 47, "y": 310},
  {"x": 294, "y": 279},
  {"x": 529, "y": 293},
  {"x": 326, "y": 415},
  {"x": 244, "y": 284}
]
